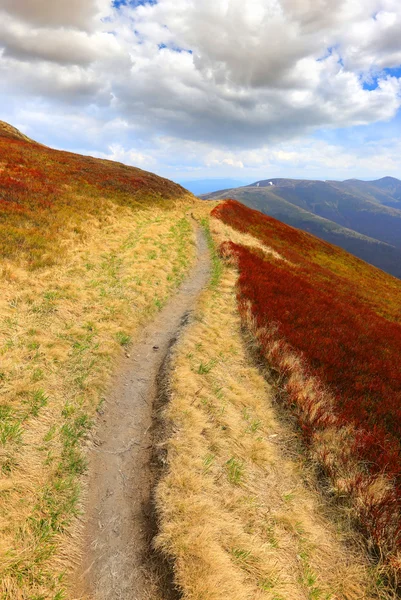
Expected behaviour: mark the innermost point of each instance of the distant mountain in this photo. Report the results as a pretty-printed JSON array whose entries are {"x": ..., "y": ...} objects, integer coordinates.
[
  {"x": 204, "y": 186},
  {"x": 362, "y": 217},
  {"x": 386, "y": 191}
]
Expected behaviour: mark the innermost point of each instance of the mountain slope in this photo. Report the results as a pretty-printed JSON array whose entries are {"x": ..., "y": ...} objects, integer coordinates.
[
  {"x": 238, "y": 515},
  {"x": 287, "y": 204},
  {"x": 386, "y": 190},
  {"x": 90, "y": 251},
  {"x": 233, "y": 519},
  {"x": 329, "y": 329}
]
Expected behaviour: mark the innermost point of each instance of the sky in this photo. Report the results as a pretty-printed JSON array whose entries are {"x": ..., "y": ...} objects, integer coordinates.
[{"x": 193, "y": 89}]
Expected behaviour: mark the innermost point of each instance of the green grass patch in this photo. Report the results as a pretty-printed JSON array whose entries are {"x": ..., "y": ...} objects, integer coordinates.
[{"x": 217, "y": 266}]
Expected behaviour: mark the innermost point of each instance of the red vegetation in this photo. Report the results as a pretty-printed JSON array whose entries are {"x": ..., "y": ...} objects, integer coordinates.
[
  {"x": 335, "y": 324},
  {"x": 42, "y": 191}
]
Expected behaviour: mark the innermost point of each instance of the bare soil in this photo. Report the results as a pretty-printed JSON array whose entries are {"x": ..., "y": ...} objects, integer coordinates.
[{"x": 118, "y": 521}]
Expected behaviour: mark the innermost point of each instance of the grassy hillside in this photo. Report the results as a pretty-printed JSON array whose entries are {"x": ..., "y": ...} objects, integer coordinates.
[
  {"x": 90, "y": 251},
  {"x": 328, "y": 326},
  {"x": 342, "y": 213},
  {"x": 47, "y": 195}
]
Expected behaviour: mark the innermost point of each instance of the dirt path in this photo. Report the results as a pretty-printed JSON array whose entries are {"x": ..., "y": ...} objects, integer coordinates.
[{"x": 116, "y": 530}]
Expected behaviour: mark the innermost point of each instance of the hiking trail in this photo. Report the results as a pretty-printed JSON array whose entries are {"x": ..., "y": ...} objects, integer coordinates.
[{"x": 118, "y": 525}]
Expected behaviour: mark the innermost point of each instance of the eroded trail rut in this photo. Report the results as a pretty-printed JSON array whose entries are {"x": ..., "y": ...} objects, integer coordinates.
[{"x": 117, "y": 527}]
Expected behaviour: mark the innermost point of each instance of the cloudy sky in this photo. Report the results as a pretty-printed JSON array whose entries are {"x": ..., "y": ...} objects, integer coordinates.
[{"x": 192, "y": 89}]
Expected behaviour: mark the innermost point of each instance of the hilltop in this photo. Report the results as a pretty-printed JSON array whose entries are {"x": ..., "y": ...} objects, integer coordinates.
[
  {"x": 8, "y": 131},
  {"x": 45, "y": 193},
  {"x": 364, "y": 218}
]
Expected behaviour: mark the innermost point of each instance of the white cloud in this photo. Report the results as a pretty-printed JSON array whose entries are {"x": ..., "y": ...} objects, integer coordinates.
[
  {"x": 372, "y": 44},
  {"x": 74, "y": 13},
  {"x": 130, "y": 157},
  {"x": 261, "y": 70},
  {"x": 304, "y": 158},
  {"x": 62, "y": 46},
  {"x": 70, "y": 85}
]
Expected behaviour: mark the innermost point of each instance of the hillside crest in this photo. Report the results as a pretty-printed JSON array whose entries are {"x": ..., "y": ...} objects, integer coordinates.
[{"x": 7, "y": 130}]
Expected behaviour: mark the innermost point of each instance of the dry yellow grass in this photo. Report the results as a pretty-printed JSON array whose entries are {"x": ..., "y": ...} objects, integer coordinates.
[
  {"x": 61, "y": 331},
  {"x": 237, "y": 518},
  {"x": 224, "y": 232}
]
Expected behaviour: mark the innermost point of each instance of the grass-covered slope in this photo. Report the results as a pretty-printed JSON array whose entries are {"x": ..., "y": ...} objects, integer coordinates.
[
  {"x": 329, "y": 325},
  {"x": 341, "y": 213},
  {"x": 90, "y": 250}
]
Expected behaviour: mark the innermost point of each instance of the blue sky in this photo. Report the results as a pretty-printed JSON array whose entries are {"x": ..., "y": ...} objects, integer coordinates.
[{"x": 211, "y": 89}]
